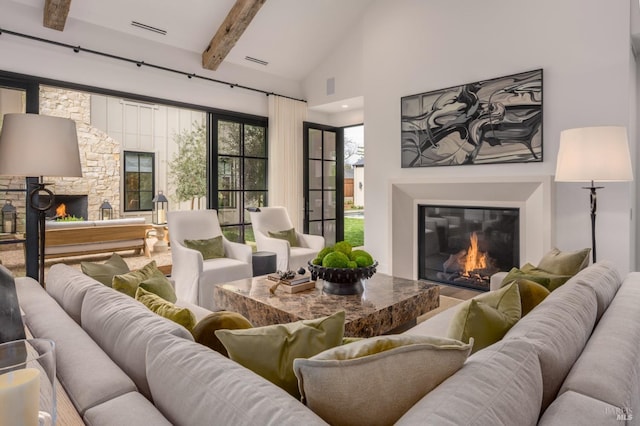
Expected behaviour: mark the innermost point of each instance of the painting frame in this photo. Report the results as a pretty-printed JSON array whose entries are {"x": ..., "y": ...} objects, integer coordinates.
[{"x": 493, "y": 121}]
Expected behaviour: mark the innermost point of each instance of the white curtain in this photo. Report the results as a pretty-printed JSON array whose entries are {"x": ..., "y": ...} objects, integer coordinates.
[{"x": 285, "y": 156}]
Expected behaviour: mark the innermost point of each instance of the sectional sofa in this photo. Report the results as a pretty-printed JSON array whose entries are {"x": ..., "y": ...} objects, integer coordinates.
[{"x": 573, "y": 360}]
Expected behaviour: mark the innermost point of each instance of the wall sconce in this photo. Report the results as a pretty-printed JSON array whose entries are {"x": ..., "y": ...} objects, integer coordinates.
[
  {"x": 160, "y": 209},
  {"x": 106, "y": 211},
  {"x": 9, "y": 218}
]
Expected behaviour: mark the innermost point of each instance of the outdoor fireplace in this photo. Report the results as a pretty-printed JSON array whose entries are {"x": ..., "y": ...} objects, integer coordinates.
[
  {"x": 464, "y": 246},
  {"x": 69, "y": 205}
]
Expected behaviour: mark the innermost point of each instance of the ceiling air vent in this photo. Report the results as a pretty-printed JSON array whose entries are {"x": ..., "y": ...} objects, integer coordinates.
[
  {"x": 148, "y": 28},
  {"x": 256, "y": 60}
]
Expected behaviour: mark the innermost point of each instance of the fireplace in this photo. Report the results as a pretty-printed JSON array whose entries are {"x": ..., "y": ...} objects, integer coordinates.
[
  {"x": 69, "y": 205},
  {"x": 464, "y": 246}
]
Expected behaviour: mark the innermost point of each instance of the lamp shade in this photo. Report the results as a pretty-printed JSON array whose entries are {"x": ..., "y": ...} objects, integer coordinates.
[
  {"x": 594, "y": 154},
  {"x": 39, "y": 145}
]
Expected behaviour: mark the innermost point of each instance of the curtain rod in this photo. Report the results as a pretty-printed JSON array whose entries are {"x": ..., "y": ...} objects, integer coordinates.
[{"x": 138, "y": 63}]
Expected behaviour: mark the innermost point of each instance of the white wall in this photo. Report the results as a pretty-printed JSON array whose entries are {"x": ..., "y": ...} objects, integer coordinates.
[
  {"x": 34, "y": 58},
  {"x": 413, "y": 46}
]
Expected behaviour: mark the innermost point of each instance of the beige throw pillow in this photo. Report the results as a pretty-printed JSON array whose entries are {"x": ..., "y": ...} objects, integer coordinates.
[{"x": 375, "y": 381}]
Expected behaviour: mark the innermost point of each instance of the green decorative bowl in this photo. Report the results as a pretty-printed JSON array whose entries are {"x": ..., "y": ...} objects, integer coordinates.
[{"x": 342, "y": 281}]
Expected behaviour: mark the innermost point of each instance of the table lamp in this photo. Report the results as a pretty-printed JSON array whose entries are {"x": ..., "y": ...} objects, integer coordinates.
[
  {"x": 33, "y": 145},
  {"x": 594, "y": 154}
]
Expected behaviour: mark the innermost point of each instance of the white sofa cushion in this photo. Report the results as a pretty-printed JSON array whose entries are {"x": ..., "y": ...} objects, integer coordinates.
[
  {"x": 123, "y": 221},
  {"x": 87, "y": 373},
  {"x": 128, "y": 409},
  {"x": 68, "y": 287},
  {"x": 574, "y": 409},
  {"x": 122, "y": 327},
  {"x": 604, "y": 279},
  {"x": 227, "y": 393},
  {"x": 608, "y": 366},
  {"x": 499, "y": 385},
  {"x": 559, "y": 327},
  {"x": 437, "y": 325}
]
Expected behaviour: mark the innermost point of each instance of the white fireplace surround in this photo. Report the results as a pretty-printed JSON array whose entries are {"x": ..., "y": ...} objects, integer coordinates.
[{"x": 533, "y": 195}]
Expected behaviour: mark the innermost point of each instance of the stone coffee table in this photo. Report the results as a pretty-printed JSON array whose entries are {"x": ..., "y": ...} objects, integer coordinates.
[{"x": 387, "y": 305}]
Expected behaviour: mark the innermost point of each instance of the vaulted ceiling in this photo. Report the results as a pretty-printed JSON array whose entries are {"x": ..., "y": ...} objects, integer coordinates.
[{"x": 290, "y": 36}]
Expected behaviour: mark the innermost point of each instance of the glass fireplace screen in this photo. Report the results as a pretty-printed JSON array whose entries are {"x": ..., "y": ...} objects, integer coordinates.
[{"x": 464, "y": 246}]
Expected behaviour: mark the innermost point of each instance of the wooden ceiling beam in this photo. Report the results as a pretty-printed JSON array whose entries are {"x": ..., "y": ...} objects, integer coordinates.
[
  {"x": 229, "y": 33},
  {"x": 55, "y": 13}
]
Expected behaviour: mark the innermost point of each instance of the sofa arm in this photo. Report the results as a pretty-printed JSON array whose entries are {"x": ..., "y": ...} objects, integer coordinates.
[
  {"x": 280, "y": 247},
  {"x": 496, "y": 280},
  {"x": 239, "y": 251},
  {"x": 185, "y": 271},
  {"x": 315, "y": 242}
]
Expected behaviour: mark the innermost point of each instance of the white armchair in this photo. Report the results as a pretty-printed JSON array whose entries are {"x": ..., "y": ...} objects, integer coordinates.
[
  {"x": 194, "y": 277},
  {"x": 276, "y": 219}
]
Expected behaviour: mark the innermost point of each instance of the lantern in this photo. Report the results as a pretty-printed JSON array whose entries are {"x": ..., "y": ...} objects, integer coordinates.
[
  {"x": 9, "y": 218},
  {"x": 106, "y": 211},
  {"x": 160, "y": 209}
]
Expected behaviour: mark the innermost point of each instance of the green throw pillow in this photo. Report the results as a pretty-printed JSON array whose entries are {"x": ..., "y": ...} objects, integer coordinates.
[
  {"x": 386, "y": 375},
  {"x": 211, "y": 248},
  {"x": 565, "y": 263},
  {"x": 288, "y": 234},
  {"x": 529, "y": 272},
  {"x": 160, "y": 285},
  {"x": 157, "y": 304},
  {"x": 104, "y": 272},
  {"x": 531, "y": 294},
  {"x": 486, "y": 318},
  {"x": 269, "y": 351},
  {"x": 204, "y": 331},
  {"x": 128, "y": 283}
]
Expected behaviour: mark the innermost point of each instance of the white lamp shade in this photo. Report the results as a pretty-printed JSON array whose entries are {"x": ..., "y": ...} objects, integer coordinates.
[
  {"x": 594, "y": 154},
  {"x": 39, "y": 145}
]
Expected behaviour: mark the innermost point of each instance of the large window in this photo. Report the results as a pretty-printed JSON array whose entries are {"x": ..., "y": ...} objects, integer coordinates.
[
  {"x": 241, "y": 173},
  {"x": 138, "y": 180}
]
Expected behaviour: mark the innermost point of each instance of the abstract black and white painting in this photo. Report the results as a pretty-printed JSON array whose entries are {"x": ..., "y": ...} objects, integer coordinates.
[{"x": 490, "y": 121}]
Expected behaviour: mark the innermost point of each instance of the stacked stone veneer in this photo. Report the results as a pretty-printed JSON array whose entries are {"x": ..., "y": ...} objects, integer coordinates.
[{"x": 99, "y": 155}]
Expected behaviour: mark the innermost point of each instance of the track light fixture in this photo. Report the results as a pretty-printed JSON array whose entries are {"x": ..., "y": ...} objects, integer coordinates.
[{"x": 139, "y": 64}]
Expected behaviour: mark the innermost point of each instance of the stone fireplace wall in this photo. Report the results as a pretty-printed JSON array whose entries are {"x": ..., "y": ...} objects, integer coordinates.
[{"x": 99, "y": 155}]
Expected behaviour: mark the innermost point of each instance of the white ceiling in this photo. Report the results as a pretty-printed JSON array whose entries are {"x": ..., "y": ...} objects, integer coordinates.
[{"x": 292, "y": 35}]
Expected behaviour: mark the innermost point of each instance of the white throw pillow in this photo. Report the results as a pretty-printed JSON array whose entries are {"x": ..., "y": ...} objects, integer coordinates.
[{"x": 375, "y": 381}]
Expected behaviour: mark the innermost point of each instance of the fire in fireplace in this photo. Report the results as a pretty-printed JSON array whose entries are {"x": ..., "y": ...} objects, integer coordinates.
[
  {"x": 464, "y": 246},
  {"x": 69, "y": 205}
]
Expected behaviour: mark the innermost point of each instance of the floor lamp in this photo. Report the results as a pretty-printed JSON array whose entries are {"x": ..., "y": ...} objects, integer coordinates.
[
  {"x": 38, "y": 145},
  {"x": 594, "y": 154}
]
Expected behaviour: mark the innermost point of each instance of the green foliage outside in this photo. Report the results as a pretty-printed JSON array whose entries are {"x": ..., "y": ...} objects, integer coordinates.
[
  {"x": 354, "y": 231},
  {"x": 188, "y": 168}
]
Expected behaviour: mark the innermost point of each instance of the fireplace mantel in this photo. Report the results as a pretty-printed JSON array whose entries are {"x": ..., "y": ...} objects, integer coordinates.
[{"x": 533, "y": 195}]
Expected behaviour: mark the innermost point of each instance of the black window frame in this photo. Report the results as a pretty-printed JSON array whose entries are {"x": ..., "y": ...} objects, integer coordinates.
[
  {"x": 125, "y": 191},
  {"x": 216, "y": 158}
]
